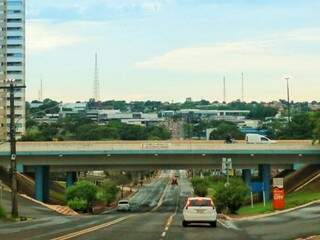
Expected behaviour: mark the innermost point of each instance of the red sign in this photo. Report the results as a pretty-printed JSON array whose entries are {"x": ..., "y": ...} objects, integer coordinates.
[{"x": 278, "y": 198}]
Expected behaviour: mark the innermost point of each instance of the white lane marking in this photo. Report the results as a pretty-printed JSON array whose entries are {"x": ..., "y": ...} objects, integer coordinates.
[
  {"x": 228, "y": 225},
  {"x": 91, "y": 229},
  {"x": 161, "y": 198}
]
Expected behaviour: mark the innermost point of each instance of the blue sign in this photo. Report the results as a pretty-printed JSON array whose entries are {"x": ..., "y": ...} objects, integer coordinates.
[{"x": 257, "y": 187}]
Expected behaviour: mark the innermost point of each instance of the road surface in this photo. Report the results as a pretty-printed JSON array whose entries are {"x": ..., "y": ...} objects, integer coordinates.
[{"x": 157, "y": 215}]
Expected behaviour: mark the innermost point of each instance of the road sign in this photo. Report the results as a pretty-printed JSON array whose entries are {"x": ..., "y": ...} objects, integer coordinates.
[
  {"x": 226, "y": 165},
  {"x": 256, "y": 187},
  {"x": 277, "y": 182},
  {"x": 278, "y": 198},
  {"x": 278, "y": 194}
]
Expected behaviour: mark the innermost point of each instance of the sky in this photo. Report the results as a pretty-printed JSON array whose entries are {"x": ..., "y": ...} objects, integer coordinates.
[{"x": 169, "y": 50}]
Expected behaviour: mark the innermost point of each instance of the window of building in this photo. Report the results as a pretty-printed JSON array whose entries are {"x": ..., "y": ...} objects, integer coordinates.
[
  {"x": 14, "y": 20},
  {"x": 14, "y": 37}
]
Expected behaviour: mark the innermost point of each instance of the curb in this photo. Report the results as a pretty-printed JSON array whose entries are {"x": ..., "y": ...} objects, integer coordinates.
[{"x": 223, "y": 216}]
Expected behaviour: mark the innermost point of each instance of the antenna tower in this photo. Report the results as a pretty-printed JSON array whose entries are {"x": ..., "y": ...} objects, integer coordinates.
[
  {"x": 224, "y": 89},
  {"x": 242, "y": 87},
  {"x": 96, "y": 92}
]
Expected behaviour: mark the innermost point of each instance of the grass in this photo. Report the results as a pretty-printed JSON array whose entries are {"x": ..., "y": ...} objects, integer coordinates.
[{"x": 292, "y": 200}]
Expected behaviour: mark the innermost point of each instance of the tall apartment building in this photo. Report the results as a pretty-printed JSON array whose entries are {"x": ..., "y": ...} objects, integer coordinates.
[{"x": 12, "y": 60}]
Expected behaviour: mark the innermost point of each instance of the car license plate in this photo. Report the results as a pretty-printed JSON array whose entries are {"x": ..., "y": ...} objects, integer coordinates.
[{"x": 200, "y": 210}]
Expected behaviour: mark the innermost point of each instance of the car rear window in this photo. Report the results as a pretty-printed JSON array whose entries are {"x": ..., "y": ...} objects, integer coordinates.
[{"x": 200, "y": 203}]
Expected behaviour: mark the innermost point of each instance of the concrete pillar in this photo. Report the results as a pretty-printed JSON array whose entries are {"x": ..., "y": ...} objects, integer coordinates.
[
  {"x": 42, "y": 186},
  {"x": 246, "y": 176},
  {"x": 265, "y": 177},
  {"x": 71, "y": 179}
]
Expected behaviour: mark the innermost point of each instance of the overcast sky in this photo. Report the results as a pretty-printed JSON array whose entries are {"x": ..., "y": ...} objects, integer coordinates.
[{"x": 173, "y": 49}]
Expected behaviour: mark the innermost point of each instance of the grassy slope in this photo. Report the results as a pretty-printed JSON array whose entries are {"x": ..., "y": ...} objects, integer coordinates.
[{"x": 308, "y": 194}]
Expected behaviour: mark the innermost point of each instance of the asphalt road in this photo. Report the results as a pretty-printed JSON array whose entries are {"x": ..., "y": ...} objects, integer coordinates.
[{"x": 157, "y": 215}]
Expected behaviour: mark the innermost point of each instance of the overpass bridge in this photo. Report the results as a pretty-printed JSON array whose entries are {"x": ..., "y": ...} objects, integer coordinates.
[{"x": 73, "y": 156}]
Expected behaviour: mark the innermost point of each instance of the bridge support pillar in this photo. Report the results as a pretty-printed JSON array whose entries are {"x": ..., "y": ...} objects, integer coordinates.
[
  {"x": 71, "y": 179},
  {"x": 246, "y": 176},
  {"x": 42, "y": 179},
  {"x": 265, "y": 175}
]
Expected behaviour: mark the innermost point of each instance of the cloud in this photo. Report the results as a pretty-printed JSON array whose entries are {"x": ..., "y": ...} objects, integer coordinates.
[
  {"x": 92, "y": 8},
  {"x": 45, "y": 35},
  {"x": 278, "y": 52}
]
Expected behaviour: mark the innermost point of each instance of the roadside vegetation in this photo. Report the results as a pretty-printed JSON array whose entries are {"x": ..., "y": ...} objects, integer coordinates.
[
  {"x": 82, "y": 196},
  {"x": 227, "y": 198},
  {"x": 308, "y": 194},
  {"x": 2, "y": 212}
]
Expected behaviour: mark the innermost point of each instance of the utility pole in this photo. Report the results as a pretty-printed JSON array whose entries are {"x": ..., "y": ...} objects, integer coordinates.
[{"x": 12, "y": 134}]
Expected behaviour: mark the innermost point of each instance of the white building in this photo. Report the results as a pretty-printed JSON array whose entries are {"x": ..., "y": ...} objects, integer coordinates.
[
  {"x": 226, "y": 115},
  {"x": 12, "y": 60}
]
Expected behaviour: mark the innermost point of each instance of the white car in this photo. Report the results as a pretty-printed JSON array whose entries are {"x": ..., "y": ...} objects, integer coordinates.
[
  {"x": 199, "y": 210},
  {"x": 123, "y": 205},
  {"x": 258, "y": 139}
]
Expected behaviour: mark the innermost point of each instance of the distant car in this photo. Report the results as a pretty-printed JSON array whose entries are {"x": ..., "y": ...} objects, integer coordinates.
[
  {"x": 199, "y": 210},
  {"x": 258, "y": 139},
  {"x": 174, "y": 181},
  {"x": 123, "y": 205}
]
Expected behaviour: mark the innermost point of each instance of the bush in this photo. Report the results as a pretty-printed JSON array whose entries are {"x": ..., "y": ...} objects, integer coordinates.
[
  {"x": 230, "y": 198},
  {"x": 2, "y": 212},
  {"x": 108, "y": 191},
  {"x": 200, "y": 186},
  {"x": 78, "y": 204},
  {"x": 82, "y": 190}
]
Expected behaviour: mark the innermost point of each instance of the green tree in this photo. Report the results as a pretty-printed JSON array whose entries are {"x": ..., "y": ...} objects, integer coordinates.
[
  {"x": 230, "y": 198},
  {"x": 82, "y": 190},
  {"x": 224, "y": 129},
  {"x": 200, "y": 186},
  {"x": 108, "y": 191}
]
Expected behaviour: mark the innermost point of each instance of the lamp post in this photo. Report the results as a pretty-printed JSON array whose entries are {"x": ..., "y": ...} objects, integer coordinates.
[{"x": 12, "y": 134}]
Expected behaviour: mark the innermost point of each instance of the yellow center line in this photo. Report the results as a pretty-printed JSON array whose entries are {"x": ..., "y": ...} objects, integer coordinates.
[{"x": 91, "y": 229}]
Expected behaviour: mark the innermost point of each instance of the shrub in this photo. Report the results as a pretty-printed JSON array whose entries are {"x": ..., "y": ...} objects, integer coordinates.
[
  {"x": 82, "y": 190},
  {"x": 78, "y": 204},
  {"x": 200, "y": 186},
  {"x": 2, "y": 212},
  {"x": 230, "y": 198},
  {"x": 108, "y": 191}
]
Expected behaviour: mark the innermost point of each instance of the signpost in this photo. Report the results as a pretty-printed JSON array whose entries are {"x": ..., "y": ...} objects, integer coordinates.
[
  {"x": 257, "y": 187},
  {"x": 226, "y": 167},
  {"x": 278, "y": 194}
]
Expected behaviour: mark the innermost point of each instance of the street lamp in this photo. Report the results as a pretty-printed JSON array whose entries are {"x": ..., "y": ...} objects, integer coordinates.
[
  {"x": 287, "y": 78},
  {"x": 11, "y": 86}
]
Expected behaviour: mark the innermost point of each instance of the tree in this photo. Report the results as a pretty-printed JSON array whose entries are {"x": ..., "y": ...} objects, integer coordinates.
[
  {"x": 200, "y": 186},
  {"x": 108, "y": 191},
  {"x": 224, "y": 129},
  {"x": 230, "y": 198},
  {"x": 82, "y": 191}
]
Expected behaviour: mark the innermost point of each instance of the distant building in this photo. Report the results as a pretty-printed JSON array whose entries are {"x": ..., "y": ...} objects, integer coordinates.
[
  {"x": 48, "y": 118},
  {"x": 226, "y": 115},
  {"x": 69, "y": 109},
  {"x": 188, "y": 99},
  {"x": 136, "y": 118},
  {"x": 12, "y": 62}
]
